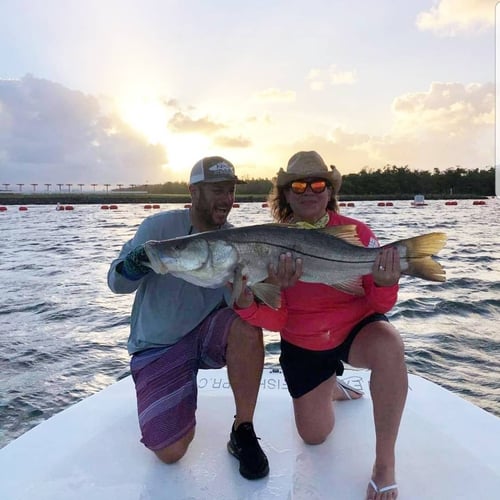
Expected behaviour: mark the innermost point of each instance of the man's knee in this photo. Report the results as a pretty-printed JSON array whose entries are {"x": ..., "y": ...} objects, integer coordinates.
[{"x": 174, "y": 452}]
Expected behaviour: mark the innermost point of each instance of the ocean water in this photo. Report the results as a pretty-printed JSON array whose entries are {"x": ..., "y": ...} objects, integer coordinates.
[{"x": 63, "y": 333}]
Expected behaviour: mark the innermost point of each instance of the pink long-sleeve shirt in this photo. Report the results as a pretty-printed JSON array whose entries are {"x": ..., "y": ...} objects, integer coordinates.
[{"x": 319, "y": 317}]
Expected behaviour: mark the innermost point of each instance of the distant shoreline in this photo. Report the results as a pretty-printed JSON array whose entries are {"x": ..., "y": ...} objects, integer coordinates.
[{"x": 130, "y": 198}]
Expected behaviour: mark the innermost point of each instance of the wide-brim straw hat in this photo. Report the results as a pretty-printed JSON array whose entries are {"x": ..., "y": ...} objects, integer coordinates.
[{"x": 306, "y": 164}]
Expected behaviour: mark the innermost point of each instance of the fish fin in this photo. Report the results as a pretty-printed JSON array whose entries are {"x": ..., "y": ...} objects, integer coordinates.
[
  {"x": 426, "y": 268},
  {"x": 269, "y": 294},
  {"x": 237, "y": 285},
  {"x": 423, "y": 245},
  {"x": 419, "y": 250},
  {"x": 346, "y": 232},
  {"x": 353, "y": 286}
]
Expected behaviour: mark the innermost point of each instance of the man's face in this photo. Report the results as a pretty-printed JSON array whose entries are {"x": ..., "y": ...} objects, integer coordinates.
[{"x": 213, "y": 202}]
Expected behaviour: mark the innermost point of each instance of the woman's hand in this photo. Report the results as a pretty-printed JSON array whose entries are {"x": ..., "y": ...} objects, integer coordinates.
[
  {"x": 287, "y": 273},
  {"x": 386, "y": 269}
]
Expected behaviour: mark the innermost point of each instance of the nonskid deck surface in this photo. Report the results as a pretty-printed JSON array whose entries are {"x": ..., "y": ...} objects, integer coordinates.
[{"x": 447, "y": 449}]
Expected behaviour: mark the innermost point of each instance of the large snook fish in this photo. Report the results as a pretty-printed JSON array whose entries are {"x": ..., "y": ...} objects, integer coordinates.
[{"x": 333, "y": 256}]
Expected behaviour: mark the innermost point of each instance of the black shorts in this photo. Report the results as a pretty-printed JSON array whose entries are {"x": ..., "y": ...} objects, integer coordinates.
[{"x": 305, "y": 369}]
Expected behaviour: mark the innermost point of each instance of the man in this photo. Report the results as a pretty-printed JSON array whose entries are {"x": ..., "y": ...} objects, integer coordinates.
[{"x": 178, "y": 328}]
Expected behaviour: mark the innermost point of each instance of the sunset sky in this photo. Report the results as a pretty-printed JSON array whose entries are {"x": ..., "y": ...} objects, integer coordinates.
[{"x": 135, "y": 91}]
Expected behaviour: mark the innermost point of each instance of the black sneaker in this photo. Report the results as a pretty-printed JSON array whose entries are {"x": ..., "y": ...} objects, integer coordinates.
[{"x": 244, "y": 445}]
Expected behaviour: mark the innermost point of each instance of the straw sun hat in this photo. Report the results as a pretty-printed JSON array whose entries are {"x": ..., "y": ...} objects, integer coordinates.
[{"x": 306, "y": 164}]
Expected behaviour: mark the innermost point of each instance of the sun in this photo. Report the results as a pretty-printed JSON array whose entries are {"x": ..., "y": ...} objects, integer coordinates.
[
  {"x": 149, "y": 116},
  {"x": 145, "y": 115}
]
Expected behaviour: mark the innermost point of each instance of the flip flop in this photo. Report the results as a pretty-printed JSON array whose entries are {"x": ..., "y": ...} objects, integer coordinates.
[
  {"x": 384, "y": 489},
  {"x": 346, "y": 388}
]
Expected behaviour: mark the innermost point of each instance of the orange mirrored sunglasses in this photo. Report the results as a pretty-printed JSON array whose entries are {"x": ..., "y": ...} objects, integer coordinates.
[{"x": 317, "y": 186}]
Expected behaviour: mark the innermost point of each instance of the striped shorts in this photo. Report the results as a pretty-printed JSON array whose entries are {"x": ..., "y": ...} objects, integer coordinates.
[{"x": 165, "y": 379}]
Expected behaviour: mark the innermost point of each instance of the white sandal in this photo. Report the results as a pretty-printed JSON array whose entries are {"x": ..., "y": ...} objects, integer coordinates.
[
  {"x": 346, "y": 388},
  {"x": 384, "y": 489}
]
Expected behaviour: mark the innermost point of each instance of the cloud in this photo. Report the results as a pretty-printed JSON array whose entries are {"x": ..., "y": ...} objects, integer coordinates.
[
  {"x": 453, "y": 17},
  {"x": 182, "y": 123},
  {"x": 319, "y": 79},
  {"x": 454, "y": 109},
  {"x": 449, "y": 124},
  {"x": 232, "y": 142},
  {"x": 49, "y": 133},
  {"x": 276, "y": 95}
]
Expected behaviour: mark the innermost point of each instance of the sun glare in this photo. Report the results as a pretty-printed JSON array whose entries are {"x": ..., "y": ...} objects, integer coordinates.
[
  {"x": 150, "y": 118},
  {"x": 147, "y": 116}
]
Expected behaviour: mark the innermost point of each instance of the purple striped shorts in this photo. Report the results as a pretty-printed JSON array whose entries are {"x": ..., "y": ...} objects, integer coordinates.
[{"x": 165, "y": 379}]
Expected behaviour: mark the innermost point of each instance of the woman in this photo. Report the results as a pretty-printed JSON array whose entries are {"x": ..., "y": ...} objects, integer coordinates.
[{"x": 321, "y": 327}]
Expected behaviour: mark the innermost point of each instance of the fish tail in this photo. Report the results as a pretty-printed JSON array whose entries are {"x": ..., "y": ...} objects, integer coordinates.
[
  {"x": 418, "y": 256},
  {"x": 426, "y": 268}
]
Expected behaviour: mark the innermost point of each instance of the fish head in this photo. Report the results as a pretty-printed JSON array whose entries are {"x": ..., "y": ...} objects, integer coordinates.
[{"x": 182, "y": 255}]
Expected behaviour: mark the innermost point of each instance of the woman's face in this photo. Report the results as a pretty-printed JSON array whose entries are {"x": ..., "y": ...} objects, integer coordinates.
[{"x": 307, "y": 198}]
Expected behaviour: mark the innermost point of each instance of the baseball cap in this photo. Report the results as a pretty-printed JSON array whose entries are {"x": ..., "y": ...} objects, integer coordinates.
[{"x": 213, "y": 169}]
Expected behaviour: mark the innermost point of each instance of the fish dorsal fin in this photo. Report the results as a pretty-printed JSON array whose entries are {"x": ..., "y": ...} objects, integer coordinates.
[
  {"x": 346, "y": 232},
  {"x": 269, "y": 294},
  {"x": 353, "y": 287}
]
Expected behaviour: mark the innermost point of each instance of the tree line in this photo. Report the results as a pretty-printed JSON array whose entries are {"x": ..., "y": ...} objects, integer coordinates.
[{"x": 390, "y": 180}]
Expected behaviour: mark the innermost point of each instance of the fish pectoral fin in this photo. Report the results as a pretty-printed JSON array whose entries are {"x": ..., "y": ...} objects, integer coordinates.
[
  {"x": 346, "y": 232},
  {"x": 237, "y": 285},
  {"x": 269, "y": 294},
  {"x": 352, "y": 286}
]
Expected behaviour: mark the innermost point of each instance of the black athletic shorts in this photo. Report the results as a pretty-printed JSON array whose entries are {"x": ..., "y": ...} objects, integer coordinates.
[{"x": 305, "y": 369}]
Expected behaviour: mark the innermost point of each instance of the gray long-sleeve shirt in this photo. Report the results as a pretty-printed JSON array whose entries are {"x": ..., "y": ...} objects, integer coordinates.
[{"x": 165, "y": 308}]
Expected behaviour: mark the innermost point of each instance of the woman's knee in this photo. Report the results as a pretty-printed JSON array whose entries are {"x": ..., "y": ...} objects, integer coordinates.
[
  {"x": 378, "y": 341},
  {"x": 316, "y": 435}
]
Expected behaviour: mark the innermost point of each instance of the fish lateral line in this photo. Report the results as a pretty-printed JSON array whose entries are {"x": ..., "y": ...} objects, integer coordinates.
[{"x": 305, "y": 254}]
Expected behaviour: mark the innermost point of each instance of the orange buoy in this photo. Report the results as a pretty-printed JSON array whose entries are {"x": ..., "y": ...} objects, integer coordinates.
[
  {"x": 69, "y": 207},
  {"x": 381, "y": 204},
  {"x": 23, "y": 209},
  {"x": 350, "y": 204},
  {"x": 104, "y": 207},
  {"x": 389, "y": 204},
  {"x": 342, "y": 204},
  {"x": 265, "y": 205},
  {"x": 113, "y": 207},
  {"x": 479, "y": 202},
  {"x": 3, "y": 209},
  {"x": 236, "y": 205},
  {"x": 451, "y": 203},
  {"x": 187, "y": 205},
  {"x": 147, "y": 207},
  {"x": 156, "y": 206}
]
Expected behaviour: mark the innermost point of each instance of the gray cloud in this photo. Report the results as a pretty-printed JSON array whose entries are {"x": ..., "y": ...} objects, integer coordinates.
[{"x": 49, "y": 133}]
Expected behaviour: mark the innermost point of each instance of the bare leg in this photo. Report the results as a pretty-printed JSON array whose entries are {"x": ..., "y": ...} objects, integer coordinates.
[
  {"x": 379, "y": 347},
  {"x": 177, "y": 450},
  {"x": 314, "y": 415},
  {"x": 245, "y": 362}
]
